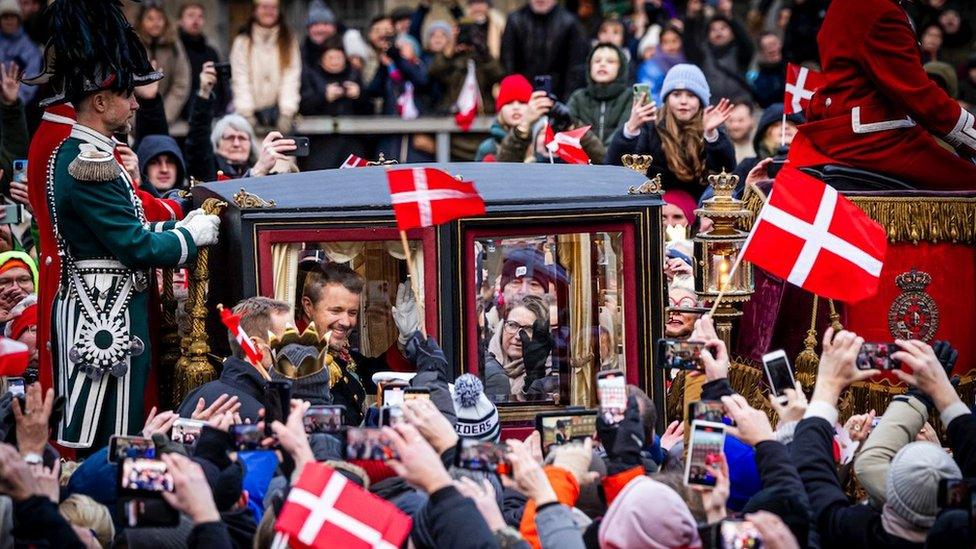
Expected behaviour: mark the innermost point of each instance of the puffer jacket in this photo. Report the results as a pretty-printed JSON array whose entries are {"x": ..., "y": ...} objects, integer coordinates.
[
  {"x": 604, "y": 106},
  {"x": 258, "y": 77}
]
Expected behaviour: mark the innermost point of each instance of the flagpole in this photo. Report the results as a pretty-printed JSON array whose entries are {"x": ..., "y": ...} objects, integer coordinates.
[
  {"x": 413, "y": 283},
  {"x": 782, "y": 131},
  {"x": 721, "y": 292}
]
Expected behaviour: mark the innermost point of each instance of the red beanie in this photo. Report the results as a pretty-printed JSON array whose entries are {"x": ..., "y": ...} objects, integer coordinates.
[
  {"x": 514, "y": 87},
  {"x": 682, "y": 200}
]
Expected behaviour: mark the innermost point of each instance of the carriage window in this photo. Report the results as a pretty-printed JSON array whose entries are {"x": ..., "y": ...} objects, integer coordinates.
[
  {"x": 550, "y": 315},
  {"x": 382, "y": 263}
]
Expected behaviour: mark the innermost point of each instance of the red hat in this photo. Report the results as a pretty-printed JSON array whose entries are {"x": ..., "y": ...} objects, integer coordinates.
[
  {"x": 682, "y": 200},
  {"x": 514, "y": 87}
]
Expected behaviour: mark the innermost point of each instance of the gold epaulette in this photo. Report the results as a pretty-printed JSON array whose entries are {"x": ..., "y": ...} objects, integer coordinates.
[{"x": 94, "y": 165}]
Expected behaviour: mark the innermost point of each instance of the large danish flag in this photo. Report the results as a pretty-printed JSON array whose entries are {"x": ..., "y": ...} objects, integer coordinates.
[
  {"x": 324, "y": 509},
  {"x": 423, "y": 197},
  {"x": 801, "y": 84},
  {"x": 816, "y": 239}
]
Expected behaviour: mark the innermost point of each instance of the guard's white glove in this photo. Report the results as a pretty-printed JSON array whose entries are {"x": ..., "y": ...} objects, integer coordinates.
[
  {"x": 204, "y": 229},
  {"x": 193, "y": 213},
  {"x": 405, "y": 313}
]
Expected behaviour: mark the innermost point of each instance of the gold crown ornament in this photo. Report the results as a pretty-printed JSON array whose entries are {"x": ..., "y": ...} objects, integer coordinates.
[
  {"x": 301, "y": 361},
  {"x": 640, "y": 163}
]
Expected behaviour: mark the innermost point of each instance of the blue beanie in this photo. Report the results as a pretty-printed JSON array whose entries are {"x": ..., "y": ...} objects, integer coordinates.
[{"x": 686, "y": 76}]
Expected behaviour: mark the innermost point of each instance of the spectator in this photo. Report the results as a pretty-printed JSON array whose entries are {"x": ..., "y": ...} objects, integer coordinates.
[
  {"x": 16, "y": 46},
  {"x": 87, "y": 516},
  {"x": 450, "y": 68},
  {"x": 18, "y": 275},
  {"x": 35, "y": 22},
  {"x": 967, "y": 83},
  {"x": 957, "y": 43},
  {"x": 685, "y": 138},
  {"x": 605, "y": 102},
  {"x": 513, "y": 98},
  {"x": 667, "y": 53},
  {"x": 332, "y": 88},
  {"x": 161, "y": 165},
  {"x": 526, "y": 141},
  {"x": 267, "y": 69},
  {"x": 227, "y": 149},
  {"x": 931, "y": 39},
  {"x": 648, "y": 70},
  {"x": 490, "y": 23},
  {"x": 438, "y": 38},
  {"x": 381, "y": 37},
  {"x": 944, "y": 76},
  {"x": 14, "y": 136},
  {"x": 612, "y": 31},
  {"x": 163, "y": 48},
  {"x": 543, "y": 38},
  {"x": 647, "y": 513},
  {"x": 681, "y": 295},
  {"x": 724, "y": 57},
  {"x": 477, "y": 416},
  {"x": 22, "y": 326},
  {"x": 740, "y": 126},
  {"x": 771, "y": 137},
  {"x": 769, "y": 83},
  {"x": 401, "y": 18},
  {"x": 321, "y": 25},
  {"x": 193, "y": 20},
  {"x": 804, "y": 19}
]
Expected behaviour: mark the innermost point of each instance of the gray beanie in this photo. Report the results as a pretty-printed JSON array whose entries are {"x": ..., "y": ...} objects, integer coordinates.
[
  {"x": 318, "y": 12},
  {"x": 686, "y": 76},
  {"x": 913, "y": 482}
]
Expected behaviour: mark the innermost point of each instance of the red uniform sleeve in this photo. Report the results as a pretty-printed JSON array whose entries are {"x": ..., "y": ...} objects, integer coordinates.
[
  {"x": 159, "y": 209},
  {"x": 892, "y": 61},
  {"x": 567, "y": 490}
]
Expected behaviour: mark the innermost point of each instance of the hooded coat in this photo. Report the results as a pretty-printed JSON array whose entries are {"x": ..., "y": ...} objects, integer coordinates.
[
  {"x": 151, "y": 147},
  {"x": 237, "y": 378},
  {"x": 604, "y": 106}
]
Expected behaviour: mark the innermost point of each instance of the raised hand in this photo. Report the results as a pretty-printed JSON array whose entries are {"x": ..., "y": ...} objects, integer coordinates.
[
  {"x": 928, "y": 372},
  {"x": 837, "y": 370},
  {"x": 32, "y": 418},
  {"x": 417, "y": 462},
  {"x": 795, "y": 407},
  {"x": 160, "y": 422},
  {"x": 640, "y": 113},
  {"x": 223, "y": 405},
  {"x": 483, "y": 496},
  {"x": 9, "y": 82},
  {"x": 715, "y": 116},
  {"x": 191, "y": 494},
  {"x": 430, "y": 423},
  {"x": 751, "y": 425}
]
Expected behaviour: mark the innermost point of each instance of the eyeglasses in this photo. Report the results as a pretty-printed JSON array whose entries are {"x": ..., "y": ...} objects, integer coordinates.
[
  {"x": 20, "y": 281},
  {"x": 683, "y": 303},
  {"x": 513, "y": 327},
  {"x": 233, "y": 138}
]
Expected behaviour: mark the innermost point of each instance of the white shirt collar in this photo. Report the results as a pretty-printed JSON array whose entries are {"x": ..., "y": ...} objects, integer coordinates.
[{"x": 88, "y": 135}]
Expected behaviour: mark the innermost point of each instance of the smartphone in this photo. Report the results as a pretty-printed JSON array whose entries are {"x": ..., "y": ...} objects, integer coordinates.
[
  {"x": 680, "y": 355},
  {"x": 126, "y": 447},
  {"x": 301, "y": 146},
  {"x": 706, "y": 411},
  {"x": 277, "y": 403},
  {"x": 611, "y": 391},
  {"x": 477, "y": 455},
  {"x": 778, "y": 373},
  {"x": 739, "y": 534},
  {"x": 956, "y": 493},
  {"x": 144, "y": 477},
  {"x": 324, "y": 419},
  {"x": 223, "y": 71},
  {"x": 877, "y": 356},
  {"x": 557, "y": 428},
  {"x": 15, "y": 386},
  {"x": 149, "y": 513},
  {"x": 643, "y": 89},
  {"x": 363, "y": 443},
  {"x": 411, "y": 393},
  {"x": 13, "y": 214},
  {"x": 390, "y": 416},
  {"x": 705, "y": 448},
  {"x": 186, "y": 431},
  {"x": 393, "y": 393},
  {"x": 20, "y": 171},
  {"x": 543, "y": 82}
]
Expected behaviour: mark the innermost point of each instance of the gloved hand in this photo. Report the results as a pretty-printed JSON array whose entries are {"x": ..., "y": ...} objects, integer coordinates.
[
  {"x": 947, "y": 356},
  {"x": 426, "y": 354},
  {"x": 405, "y": 313},
  {"x": 189, "y": 216},
  {"x": 536, "y": 351},
  {"x": 622, "y": 441},
  {"x": 204, "y": 229}
]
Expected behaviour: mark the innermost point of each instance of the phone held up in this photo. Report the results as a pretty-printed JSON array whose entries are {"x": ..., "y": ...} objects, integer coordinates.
[
  {"x": 680, "y": 355},
  {"x": 611, "y": 391},
  {"x": 778, "y": 373},
  {"x": 557, "y": 428},
  {"x": 488, "y": 457},
  {"x": 877, "y": 356},
  {"x": 127, "y": 447},
  {"x": 705, "y": 448},
  {"x": 366, "y": 444},
  {"x": 277, "y": 404}
]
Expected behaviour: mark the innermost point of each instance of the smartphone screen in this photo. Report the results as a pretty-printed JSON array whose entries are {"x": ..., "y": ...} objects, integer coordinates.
[
  {"x": 393, "y": 395},
  {"x": 643, "y": 89},
  {"x": 877, "y": 356},
  {"x": 20, "y": 171},
  {"x": 390, "y": 416},
  {"x": 560, "y": 428},
  {"x": 778, "y": 372},
  {"x": 705, "y": 448},
  {"x": 186, "y": 431},
  {"x": 955, "y": 493},
  {"x": 144, "y": 477},
  {"x": 15, "y": 386},
  {"x": 247, "y": 438},
  {"x": 411, "y": 393},
  {"x": 477, "y": 455},
  {"x": 125, "y": 447},
  {"x": 710, "y": 411},
  {"x": 738, "y": 534},
  {"x": 368, "y": 444},
  {"x": 680, "y": 355},
  {"x": 323, "y": 419},
  {"x": 611, "y": 391},
  {"x": 277, "y": 402}
]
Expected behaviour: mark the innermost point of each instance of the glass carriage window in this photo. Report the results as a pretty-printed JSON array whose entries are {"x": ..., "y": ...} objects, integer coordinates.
[
  {"x": 569, "y": 284},
  {"x": 381, "y": 263}
]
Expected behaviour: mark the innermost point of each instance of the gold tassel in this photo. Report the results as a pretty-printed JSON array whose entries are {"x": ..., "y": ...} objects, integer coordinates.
[
  {"x": 94, "y": 165},
  {"x": 193, "y": 375},
  {"x": 808, "y": 361},
  {"x": 834, "y": 317}
]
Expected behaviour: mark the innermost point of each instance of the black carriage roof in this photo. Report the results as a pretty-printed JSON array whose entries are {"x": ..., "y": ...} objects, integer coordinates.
[{"x": 504, "y": 186}]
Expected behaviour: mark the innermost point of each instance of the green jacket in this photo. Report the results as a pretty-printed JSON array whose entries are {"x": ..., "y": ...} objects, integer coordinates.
[
  {"x": 451, "y": 72},
  {"x": 490, "y": 145},
  {"x": 604, "y": 106}
]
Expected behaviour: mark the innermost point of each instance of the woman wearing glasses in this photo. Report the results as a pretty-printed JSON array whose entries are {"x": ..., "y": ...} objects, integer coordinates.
[{"x": 518, "y": 353}]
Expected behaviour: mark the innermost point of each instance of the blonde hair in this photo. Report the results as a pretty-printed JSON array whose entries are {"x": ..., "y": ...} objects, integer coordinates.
[
  {"x": 683, "y": 144},
  {"x": 84, "y": 512}
]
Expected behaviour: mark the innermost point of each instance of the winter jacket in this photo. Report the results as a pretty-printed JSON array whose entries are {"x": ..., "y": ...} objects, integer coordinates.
[
  {"x": 451, "y": 72},
  {"x": 556, "y": 527},
  {"x": 490, "y": 145},
  {"x": 19, "y": 48},
  {"x": 237, "y": 378},
  {"x": 390, "y": 83},
  {"x": 452, "y": 520},
  {"x": 604, "y": 106},
  {"x": 202, "y": 162},
  {"x": 209, "y": 535},
  {"x": 551, "y": 43},
  {"x": 199, "y": 51},
  {"x": 962, "y": 439},
  {"x": 772, "y": 115},
  {"x": 330, "y": 150},
  {"x": 900, "y": 424},
  {"x": 719, "y": 155},
  {"x": 153, "y": 146},
  {"x": 37, "y": 519},
  {"x": 259, "y": 81},
  {"x": 513, "y": 148},
  {"x": 769, "y": 84},
  {"x": 567, "y": 489},
  {"x": 724, "y": 67},
  {"x": 175, "y": 88},
  {"x": 838, "y": 523},
  {"x": 14, "y": 139}
]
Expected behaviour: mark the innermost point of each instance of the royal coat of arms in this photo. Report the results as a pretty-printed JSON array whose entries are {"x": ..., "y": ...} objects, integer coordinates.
[{"x": 913, "y": 314}]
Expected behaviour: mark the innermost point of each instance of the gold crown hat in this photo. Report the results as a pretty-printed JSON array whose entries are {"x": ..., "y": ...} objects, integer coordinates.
[{"x": 298, "y": 355}]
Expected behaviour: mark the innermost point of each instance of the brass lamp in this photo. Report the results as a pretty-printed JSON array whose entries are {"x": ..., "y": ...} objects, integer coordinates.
[{"x": 717, "y": 270}]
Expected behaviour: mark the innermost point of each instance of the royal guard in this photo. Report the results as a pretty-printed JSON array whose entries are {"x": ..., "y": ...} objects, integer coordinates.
[
  {"x": 877, "y": 109},
  {"x": 107, "y": 247}
]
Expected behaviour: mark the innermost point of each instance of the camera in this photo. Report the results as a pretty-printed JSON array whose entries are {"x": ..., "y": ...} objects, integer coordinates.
[{"x": 559, "y": 117}]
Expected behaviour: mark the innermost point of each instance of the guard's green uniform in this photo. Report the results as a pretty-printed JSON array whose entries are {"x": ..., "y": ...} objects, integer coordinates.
[{"x": 100, "y": 331}]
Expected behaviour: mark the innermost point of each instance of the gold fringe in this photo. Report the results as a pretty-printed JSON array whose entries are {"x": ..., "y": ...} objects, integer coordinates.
[
  {"x": 94, "y": 166},
  {"x": 193, "y": 375}
]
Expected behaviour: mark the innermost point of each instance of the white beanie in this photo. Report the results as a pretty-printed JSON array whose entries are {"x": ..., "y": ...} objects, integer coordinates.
[
  {"x": 477, "y": 417},
  {"x": 913, "y": 479},
  {"x": 652, "y": 38}
]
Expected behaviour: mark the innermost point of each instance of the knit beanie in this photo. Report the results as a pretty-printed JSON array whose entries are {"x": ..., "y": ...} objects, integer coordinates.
[
  {"x": 686, "y": 76},
  {"x": 514, "y": 87},
  {"x": 647, "y": 513},
  {"x": 684, "y": 201},
  {"x": 477, "y": 417},
  {"x": 913, "y": 481},
  {"x": 439, "y": 25},
  {"x": 318, "y": 12}
]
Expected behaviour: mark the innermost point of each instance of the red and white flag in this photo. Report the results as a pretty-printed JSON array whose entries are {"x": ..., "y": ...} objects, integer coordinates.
[
  {"x": 353, "y": 161},
  {"x": 566, "y": 145},
  {"x": 233, "y": 323},
  {"x": 423, "y": 197},
  {"x": 324, "y": 509},
  {"x": 814, "y": 238},
  {"x": 14, "y": 357},
  {"x": 466, "y": 107},
  {"x": 801, "y": 84}
]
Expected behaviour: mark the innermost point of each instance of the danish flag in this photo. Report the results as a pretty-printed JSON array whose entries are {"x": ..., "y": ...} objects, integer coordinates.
[
  {"x": 324, "y": 509},
  {"x": 816, "y": 239},
  {"x": 14, "y": 357},
  {"x": 801, "y": 84},
  {"x": 566, "y": 145},
  {"x": 233, "y": 323},
  {"x": 353, "y": 161},
  {"x": 423, "y": 197},
  {"x": 468, "y": 100}
]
